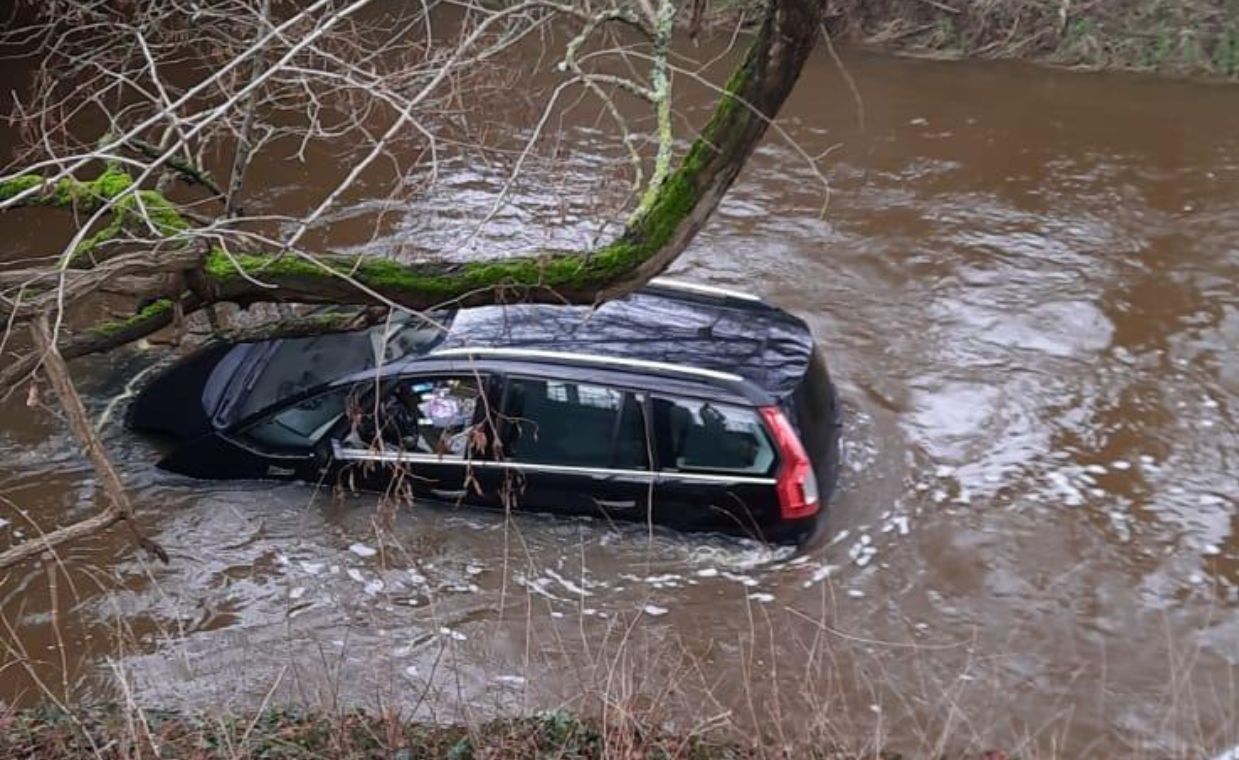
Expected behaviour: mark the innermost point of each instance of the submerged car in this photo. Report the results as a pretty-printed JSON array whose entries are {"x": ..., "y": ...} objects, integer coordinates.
[{"x": 682, "y": 405}]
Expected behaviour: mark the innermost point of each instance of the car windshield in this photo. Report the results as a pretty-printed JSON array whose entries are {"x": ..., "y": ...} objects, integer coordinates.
[{"x": 291, "y": 366}]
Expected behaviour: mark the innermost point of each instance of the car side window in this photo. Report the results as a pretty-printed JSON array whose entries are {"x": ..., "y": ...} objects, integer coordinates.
[
  {"x": 702, "y": 436},
  {"x": 423, "y": 415},
  {"x": 301, "y": 425},
  {"x": 574, "y": 424}
]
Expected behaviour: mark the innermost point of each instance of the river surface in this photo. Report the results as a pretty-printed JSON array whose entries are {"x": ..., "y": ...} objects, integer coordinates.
[{"x": 1025, "y": 282}]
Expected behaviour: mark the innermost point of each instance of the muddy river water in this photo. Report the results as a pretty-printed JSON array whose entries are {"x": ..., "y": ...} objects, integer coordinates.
[{"x": 1027, "y": 285}]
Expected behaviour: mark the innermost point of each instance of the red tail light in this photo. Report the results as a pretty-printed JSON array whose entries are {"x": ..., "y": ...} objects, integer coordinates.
[{"x": 796, "y": 484}]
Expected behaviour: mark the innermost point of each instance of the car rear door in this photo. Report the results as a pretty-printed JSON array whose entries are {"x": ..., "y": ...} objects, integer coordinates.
[
  {"x": 716, "y": 465},
  {"x": 574, "y": 447},
  {"x": 422, "y": 436}
]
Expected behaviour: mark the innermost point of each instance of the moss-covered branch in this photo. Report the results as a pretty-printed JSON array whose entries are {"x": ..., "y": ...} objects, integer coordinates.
[
  {"x": 660, "y": 230},
  {"x": 97, "y": 339},
  {"x": 653, "y": 238},
  {"x": 68, "y": 192},
  {"x": 318, "y": 323},
  {"x": 140, "y": 212}
]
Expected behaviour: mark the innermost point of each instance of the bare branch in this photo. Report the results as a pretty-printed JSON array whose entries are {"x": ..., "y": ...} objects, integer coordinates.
[{"x": 119, "y": 508}]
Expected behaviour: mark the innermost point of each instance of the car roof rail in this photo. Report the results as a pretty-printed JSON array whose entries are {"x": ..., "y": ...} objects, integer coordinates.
[
  {"x": 573, "y": 357},
  {"x": 670, "y": 283}
]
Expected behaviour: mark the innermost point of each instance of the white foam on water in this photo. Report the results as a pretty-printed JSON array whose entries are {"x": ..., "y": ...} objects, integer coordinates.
[
  {"x": 453, "y": 634},
  {"x": 762, "y": 597},
  {"x": 572, "y": 587},
  {"x": 537, "y": 586},
  {"x": 862, "y": 551},
  {"x": 514, "y": 680},
  {"x": 361, "y": 550},
  {"x": 297, "y": 592},
  {"x": 820, "y": 574},
  {"x": 1063, "y": 486},
  {"x": 654, "y": 610},
  {"x": 312, "y": 568},
  {"x": 356, "y": 575},
  {"x": 374, "y": 587},
  {"x": 707, "y": 572},
  {"x": 743, "y": 580},
  {"x": 1230, "y": 754}
]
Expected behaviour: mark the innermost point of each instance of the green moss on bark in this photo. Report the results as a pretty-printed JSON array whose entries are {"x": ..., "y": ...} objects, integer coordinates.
[
  {"x": 11, "y": 188},
  {"x": 68, "y": 192},
  {"x": 652, "y": 228},
  {"x": 154, "y": 312},
  {"x": 154, "y": 212}
]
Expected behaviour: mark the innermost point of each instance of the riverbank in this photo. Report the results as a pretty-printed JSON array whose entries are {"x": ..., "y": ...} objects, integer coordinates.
[
  {"x": 112, "y": 733},
  {"x": 1196, "y": 38}
]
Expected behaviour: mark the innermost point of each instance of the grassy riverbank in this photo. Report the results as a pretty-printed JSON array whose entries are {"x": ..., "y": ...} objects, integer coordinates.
[
  {"x": 1177, "y": 37},
  {"x": 277, "y": 735}
]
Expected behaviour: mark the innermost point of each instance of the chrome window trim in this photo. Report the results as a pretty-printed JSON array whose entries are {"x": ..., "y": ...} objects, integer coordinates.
[
  {"x": 367, "y": 455},
  {"x": 696, "y": 287},
  {"x": 570, "y": 356}
]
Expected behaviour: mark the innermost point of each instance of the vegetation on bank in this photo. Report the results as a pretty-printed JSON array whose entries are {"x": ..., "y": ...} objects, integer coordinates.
[
  {"x": 1177, "y": 37},
  {"x": 280, "y": 735}
]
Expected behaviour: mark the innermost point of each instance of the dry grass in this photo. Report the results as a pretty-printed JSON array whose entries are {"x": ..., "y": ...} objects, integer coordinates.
[{"x": 1178, "y": 37}]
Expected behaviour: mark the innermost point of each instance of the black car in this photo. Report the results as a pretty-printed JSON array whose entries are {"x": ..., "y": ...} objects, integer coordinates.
[{"x": 684, "y": 405}]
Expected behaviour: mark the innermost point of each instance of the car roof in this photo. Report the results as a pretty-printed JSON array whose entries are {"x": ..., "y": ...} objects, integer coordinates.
[{"x": 665, "y": 329}]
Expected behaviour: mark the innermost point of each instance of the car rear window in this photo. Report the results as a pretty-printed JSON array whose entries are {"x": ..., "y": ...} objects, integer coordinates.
[
  {"x": 574, "y": 424},
  {"x": 702, "y": 436}
]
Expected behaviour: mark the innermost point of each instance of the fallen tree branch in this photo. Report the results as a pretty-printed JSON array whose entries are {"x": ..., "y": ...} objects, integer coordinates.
[
  {"x": 154, "y": 317},
  {"x": 119, "y": 508},
  {"x": 305, "y": 325}
]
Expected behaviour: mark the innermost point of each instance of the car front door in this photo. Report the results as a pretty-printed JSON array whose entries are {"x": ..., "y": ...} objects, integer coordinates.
[
  {"x": 574, "y": 448},
  {"x": 420, "y": 436}
]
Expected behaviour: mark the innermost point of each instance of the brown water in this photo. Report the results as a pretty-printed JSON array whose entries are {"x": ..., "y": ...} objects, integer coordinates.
[{"x": 1025, "y": 283}]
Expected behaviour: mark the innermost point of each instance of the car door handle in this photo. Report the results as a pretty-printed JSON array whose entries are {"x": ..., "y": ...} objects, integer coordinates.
[
  {"x": 445, "y": 493},
  {"x": 616, "y": 503}
]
